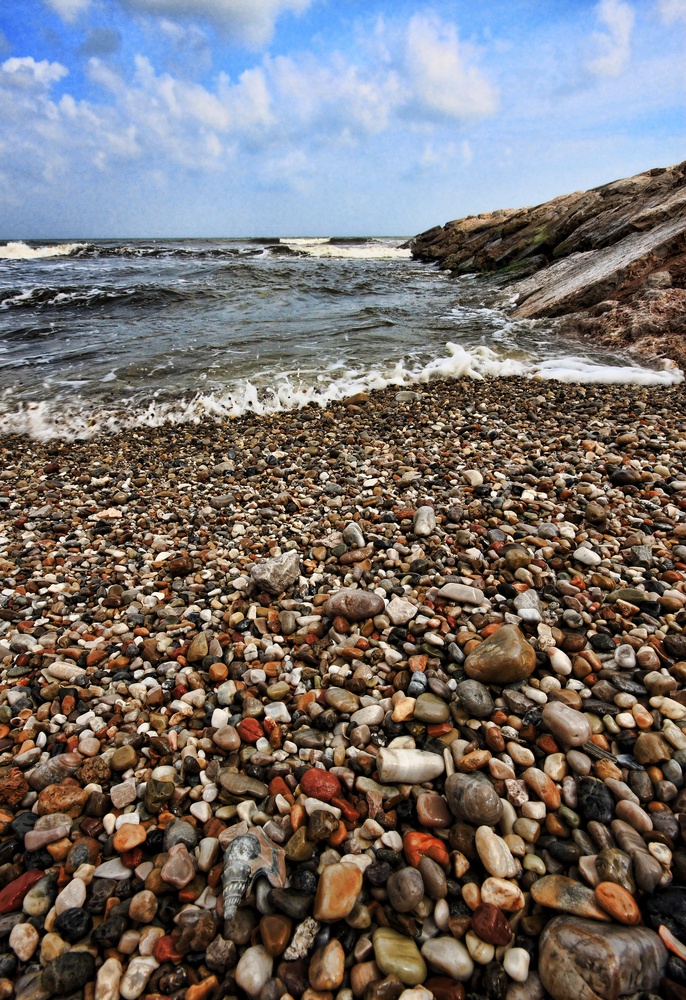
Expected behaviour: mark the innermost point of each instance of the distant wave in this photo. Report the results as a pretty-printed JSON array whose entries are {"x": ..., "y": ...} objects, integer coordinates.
[
  {"x": 360, "y": 250},
  {"x": 74, "y": 419},
  {"x": 21, "y": 251}
]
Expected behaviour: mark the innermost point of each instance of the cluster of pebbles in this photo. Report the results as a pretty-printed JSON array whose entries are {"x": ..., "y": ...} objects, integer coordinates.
[{"x": 424, "y": 653}]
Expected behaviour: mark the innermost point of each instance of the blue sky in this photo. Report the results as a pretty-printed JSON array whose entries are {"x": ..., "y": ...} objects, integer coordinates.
[{"x": 285, "y": 117}]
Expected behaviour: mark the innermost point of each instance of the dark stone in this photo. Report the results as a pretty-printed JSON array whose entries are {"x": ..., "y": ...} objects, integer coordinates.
[
  {"x": 666, "y": 906},
  {"x": 68, "y": 973},
  {"x": 108, "y": 933},
  {"x": 74, "y": 924},
  {"x": 595, "y": 801}
]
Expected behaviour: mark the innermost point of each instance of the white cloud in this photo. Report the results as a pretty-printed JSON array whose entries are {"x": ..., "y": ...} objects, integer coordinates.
[
  {"x": 614, "y": 44},
  {"x": 672, "y": 10},
  {"x": 440, "y": 72},
  {"x": 249, "y": 21},
  {"x": 69, "y": 10},
  {"x": 25, "y": 72}
]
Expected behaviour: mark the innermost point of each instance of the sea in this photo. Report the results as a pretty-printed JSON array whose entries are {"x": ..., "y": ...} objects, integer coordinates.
[{"x": 100, "y": 336}]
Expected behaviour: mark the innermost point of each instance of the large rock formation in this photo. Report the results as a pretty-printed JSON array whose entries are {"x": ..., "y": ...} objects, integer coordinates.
[{"x": 611, "y": 260}]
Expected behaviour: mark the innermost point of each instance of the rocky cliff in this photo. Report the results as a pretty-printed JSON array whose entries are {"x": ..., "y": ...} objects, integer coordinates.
[{"x": 611, "y": 261}]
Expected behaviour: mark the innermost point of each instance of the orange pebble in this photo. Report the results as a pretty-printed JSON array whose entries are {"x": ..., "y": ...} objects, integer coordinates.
[
  {"x": 298, "y": 816},
  {"x": 419, "y": 845},
  {"x": 338, "y": 836},
  {"x": 619, "y": 903}
]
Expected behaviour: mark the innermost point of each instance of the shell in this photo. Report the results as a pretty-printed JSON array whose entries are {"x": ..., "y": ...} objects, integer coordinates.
[{"x": 249, "y": 854}]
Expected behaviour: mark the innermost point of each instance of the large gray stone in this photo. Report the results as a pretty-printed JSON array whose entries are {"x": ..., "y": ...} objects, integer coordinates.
[
  {"x": 584, "y": 960},
  {"x": 277, "y": 574}
]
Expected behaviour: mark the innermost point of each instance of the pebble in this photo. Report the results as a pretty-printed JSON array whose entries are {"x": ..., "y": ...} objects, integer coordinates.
[
  {"x": 429, "y": 704},
  {"x": 398, "y": 955}
]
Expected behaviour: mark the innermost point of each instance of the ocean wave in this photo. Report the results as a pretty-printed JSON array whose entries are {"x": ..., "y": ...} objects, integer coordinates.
[
  {"x": 353, "y": 249},
  {"x": 49, "y": 419},
  {"x": 21, "y": 251},
  {"x": 46, "y": 297}
]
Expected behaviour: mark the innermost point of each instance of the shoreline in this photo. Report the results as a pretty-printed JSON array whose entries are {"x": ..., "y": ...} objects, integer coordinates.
[{"x": 192, "y": 684}]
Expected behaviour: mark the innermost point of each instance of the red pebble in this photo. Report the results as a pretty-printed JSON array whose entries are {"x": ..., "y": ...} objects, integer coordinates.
[
  {"x": 349, "y": 814},
  {"x": 320, "y": 784},
  {"x": 491, "y": 925},
  {"x": 12, "y": 896},
  {"x": 132, "y": 858},
  {"x": 445, "y": 988},
  {"x": 165, "y": 951},
  {"x": 250, "y": 730},
  {"x": 417, "y": 845}
]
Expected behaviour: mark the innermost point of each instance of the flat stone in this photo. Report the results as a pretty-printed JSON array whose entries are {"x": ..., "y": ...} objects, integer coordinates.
[
  {"x": 399, "y": 956},
  {"x": 459, "y": 593},
  {"x": 401, "y": 611},
  {"x": 582, "y": 960},
  {"x": 242, "y": 787},
  {"x": 503, "y": 658},
  {"x": 619, "y": 903},
  {"x": 355, "y": 605}
]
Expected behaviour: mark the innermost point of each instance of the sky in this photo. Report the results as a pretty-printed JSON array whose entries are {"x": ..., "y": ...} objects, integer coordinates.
[{"x": 324, "y": 117}]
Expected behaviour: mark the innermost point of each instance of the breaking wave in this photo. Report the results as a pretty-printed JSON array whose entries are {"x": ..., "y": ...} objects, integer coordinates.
[
  {"x": 78, "y": 419},
  {"x": 21, "y": 251}
]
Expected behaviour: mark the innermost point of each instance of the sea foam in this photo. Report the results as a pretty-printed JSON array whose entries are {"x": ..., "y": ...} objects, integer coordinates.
[
  {"x": 74, "y": 418},
  {"x": 324, "y": 247},
  {"x": 21, "y": 251}
]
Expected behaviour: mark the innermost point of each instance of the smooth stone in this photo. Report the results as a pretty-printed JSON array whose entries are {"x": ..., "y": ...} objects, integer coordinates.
[
  {"x": 123, "y": 758},
  {"x": 503, "y": 658},
  {"x": 495, "y": 855},
  {"x": 450, "y": 957},
  {"x": 619, "y": 903},
  {"x": 424, "y": 523},
  {"x": 355, "y": 605},
  {"x": 240, "y": 786},
  {"x": 327, "y": 966},
  {"x": 459, "y": 593},
  {"x": 491, "y": 925},
  {"x": 558, "y": 892},
  {"x": 337, "y": 891},
  {"x": 68, "y": 973},
  {"x": 581, "y": 960},
  {"x": 277, "y": 574},
  {"x": 179, "y": 831},
  {"x": 433, "y": 811},
  {"x": 431, "y": 709},
  {"x": 254, "y": 969},
  {"x": 408, "y": 766},
  {"x": 405, "y": 889},
  {"x": 341, "y": 700},
  {"x": 399, "y": 956},
  {"x": 23, "y": 941},
  {"x": 73, "y": 894},
  {"x": 472, "y": 797},
  {"x": 570, "y": 727},
  {"x": 613, "y": 865},
  {"x": 40, "y": 897},
  {"x": 136, "y": 977},
  {"x": 433, "y": 876},
  {"x": 108, "y": 980},
  {"x": 516, "y": 964},
  {"x": 114, "y": 869},
  {"x": 476, "y": 699}
]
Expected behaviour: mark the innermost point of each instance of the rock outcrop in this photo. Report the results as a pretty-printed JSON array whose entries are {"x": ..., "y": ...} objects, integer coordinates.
[{"x": 611, "y": 261}]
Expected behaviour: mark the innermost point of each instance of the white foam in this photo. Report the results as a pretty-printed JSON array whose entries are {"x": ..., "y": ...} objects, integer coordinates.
[
  {"x": 53, "y": 419},
  {"x": 20, "y": 251},
  {"x": 323, "y": 247}
]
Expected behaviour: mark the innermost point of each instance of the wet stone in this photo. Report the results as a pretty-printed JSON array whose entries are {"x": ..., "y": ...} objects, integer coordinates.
[{"x": 74, "y": 924}]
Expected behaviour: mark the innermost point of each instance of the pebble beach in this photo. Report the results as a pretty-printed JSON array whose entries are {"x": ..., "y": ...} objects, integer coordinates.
[{"x": 422, "y": 651}]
